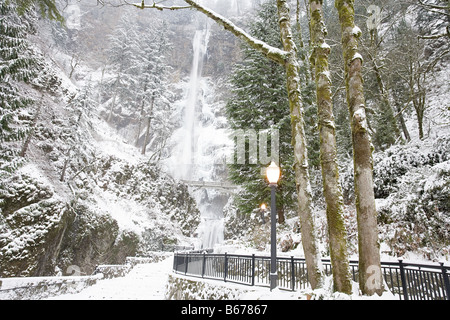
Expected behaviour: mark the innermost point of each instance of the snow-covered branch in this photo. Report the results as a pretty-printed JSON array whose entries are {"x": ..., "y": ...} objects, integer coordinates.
[
  {"x": 433, "y": 6},
  {"x": 142, "y": 5},
  {"x": 272, "y": 53}
]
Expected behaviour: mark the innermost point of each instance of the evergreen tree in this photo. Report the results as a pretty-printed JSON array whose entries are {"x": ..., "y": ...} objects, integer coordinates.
[
  {"x": 136, "y": 93},
  {"x": 153, "y": 98},
  {"x": 48, "y": 8},
  {"x": 259, "y": 102},
  {"x": 77, "y": 155},
  {"x": 16, "y": 66},
  {"x": 121, "y": 54}
]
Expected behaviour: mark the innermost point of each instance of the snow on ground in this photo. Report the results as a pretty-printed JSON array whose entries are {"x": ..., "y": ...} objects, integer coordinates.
[
  {"x": 144, "y": 282},
  {"x": 108, "y": 141},
  {"x": 148, "y": 282}
]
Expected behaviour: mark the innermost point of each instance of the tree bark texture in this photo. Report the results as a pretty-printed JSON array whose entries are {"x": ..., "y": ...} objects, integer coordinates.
[
  {"x": 328, "y": 152},
  {"x": 370, "y": 276},
  {"x": 308, "y": 232}
]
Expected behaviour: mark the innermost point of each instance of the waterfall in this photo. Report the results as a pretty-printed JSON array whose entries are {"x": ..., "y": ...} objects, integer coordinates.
[
  {"x": 190, "y": 122},
  {"x": 197, "y": 143}
]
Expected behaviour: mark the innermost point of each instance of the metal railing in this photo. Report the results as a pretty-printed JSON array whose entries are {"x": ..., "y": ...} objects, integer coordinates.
[{"x": 408, "y": 281}]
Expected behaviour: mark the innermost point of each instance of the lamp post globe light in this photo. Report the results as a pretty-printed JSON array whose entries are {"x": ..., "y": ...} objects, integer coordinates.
[{"x": 273, "y": 175}]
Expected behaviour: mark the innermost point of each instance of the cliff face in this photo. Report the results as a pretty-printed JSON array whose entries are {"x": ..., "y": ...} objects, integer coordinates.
[
  {"x": 83, "y": 197},
  {"x": 117, "y": 210},
  {"x": 108, "y": 212}
]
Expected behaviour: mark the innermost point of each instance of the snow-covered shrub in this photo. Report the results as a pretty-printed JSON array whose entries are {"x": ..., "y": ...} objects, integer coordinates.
[
  {"x": 411, "y": 184},
  {"x": 393, "y": 163},
  {"x": 417, "y": 216},
  {"x": 398, "y": 160}
]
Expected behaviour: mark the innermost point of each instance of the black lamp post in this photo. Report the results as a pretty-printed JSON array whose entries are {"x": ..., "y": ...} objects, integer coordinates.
[{"x": 273, "y": 174}]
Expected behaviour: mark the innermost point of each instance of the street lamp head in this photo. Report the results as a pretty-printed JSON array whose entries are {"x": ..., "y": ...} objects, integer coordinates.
[
  {"x": 273, "y": 173},
  {"x": 263, "y": 206}
]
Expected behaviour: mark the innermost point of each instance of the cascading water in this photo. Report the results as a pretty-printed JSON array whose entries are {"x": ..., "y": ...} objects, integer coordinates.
[
  {"x": 190, "y": 122},
  {"x": 192, "y": 158}
]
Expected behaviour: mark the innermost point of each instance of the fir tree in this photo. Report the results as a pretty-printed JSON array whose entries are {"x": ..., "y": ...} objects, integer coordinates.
[
  {"x": 137, "y": 91},
  {"x": 121, "y": 54},
  {"x": 259, "y": 102},
  {"x": 16, "y": 66},
  {"x": 48, "y": 8},
  {"x": 151, "y": 92}
]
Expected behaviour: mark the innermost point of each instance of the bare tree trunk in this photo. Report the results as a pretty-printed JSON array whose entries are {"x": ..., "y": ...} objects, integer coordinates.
[
  {"x": 113, "y": 104},
  {"x": 24, "y": 149},
  {"x": 147, "y": 132},
  {"x": 140, "y": 124},
  {"x": 66, "y": 162},
  {"x": 418, "y": 94},
  {"x": 370, "y": 276},
  {"x": 308, "y": 232},
  {"x": 328, "y": 152},
  {"x": 403, "y": 123},
  {"x": 73, "y": 64}
]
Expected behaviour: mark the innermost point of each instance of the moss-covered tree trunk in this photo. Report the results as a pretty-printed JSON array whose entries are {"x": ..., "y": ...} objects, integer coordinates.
[
  {"x": 370, "y": 276},
  {"x": 309, "y": 241},
  {"x": 328, "y": 151}
]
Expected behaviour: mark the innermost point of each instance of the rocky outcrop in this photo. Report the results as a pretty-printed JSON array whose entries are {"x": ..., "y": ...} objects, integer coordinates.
[{"x": 43, "y": 234}]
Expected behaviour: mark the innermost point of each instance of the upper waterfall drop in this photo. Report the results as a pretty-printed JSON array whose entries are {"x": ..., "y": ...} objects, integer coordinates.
[
  {"x": 197, "y": 143},
  {"x": 187, "y": 148}
]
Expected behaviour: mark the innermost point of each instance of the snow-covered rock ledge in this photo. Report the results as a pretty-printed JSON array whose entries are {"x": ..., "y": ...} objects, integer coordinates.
[
  {"x": 153, "y": 257},
  {"x": 35, "y": 288},
  {"x": 183, "y": 288}
]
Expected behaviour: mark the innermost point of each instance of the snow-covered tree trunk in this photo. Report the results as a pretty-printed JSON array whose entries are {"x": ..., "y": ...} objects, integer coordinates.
[
  {"x": 116, "y": 90},
  {"x": 31, "y": 133},
  {"x": 308, "y": 232},
  {"x": 147, "y": 132},
  {"x": 328, "y": 152},
  {"x": 141, "y": 115},
  {"x": 370, "y": 276}
]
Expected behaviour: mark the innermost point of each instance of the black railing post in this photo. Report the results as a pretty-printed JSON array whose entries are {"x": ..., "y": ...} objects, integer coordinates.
[
  {"x": 446, "y": 281},
  {"x": 403, "y": 278},
  {"x": 253, "y": 269},
  {"x": 204, "y": 264},
  {"x": 225, "y": 267},
  {"x": 186, "y": 264},
  {"x": 292, "y": 273},
  {"x": 175, "y": 261}
]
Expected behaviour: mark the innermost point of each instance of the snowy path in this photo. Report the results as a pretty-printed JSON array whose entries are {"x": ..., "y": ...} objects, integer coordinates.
[{"x": 144, "y": 282}]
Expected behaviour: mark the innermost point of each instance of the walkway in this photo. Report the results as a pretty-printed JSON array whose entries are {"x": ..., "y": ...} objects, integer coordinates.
[{"x": 144, "y": 282}]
